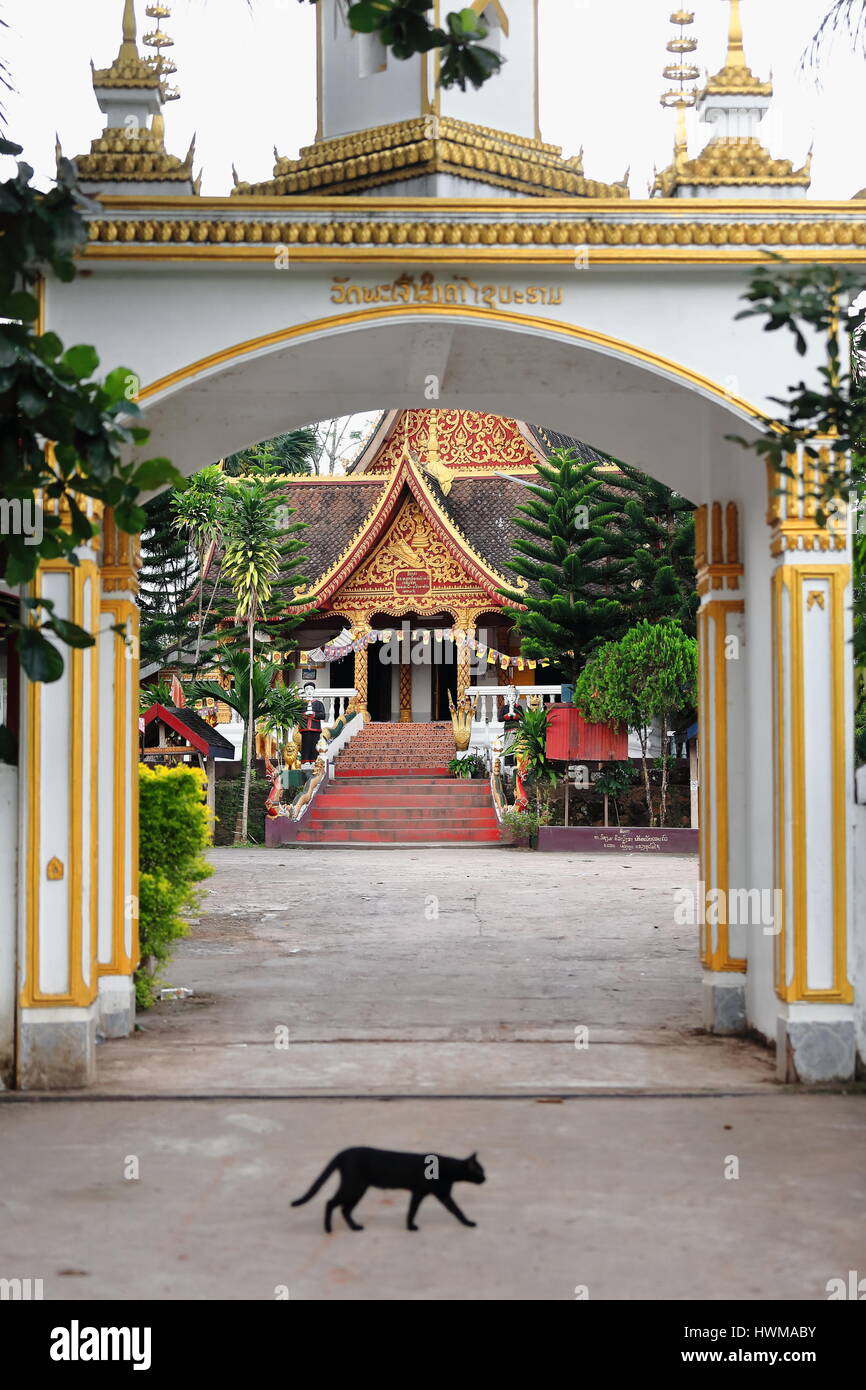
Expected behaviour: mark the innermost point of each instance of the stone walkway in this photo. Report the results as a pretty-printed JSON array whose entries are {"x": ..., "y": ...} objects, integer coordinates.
[
  {"x": 434, "y": 972},
  {"x": 448, "y": 984}
]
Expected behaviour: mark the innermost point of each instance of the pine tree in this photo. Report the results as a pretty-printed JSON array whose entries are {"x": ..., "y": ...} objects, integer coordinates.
[
  {"x": 167, "y": 580},
  {"x": 574, "y": 562},
  {"x": 657, "y": 529},
  {"x": 290, "y": 454}
]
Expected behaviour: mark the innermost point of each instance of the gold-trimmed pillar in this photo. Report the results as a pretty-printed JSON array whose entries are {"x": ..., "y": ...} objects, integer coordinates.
[
  {"x": 360, "y": 628},
  {"x": 723, "y": 908},
  {"x": 813, "y": 710},
  {"x": 118, "y": 944},
  {"x": 58, "y": 863},
  {"x": 464, "y": 620}
]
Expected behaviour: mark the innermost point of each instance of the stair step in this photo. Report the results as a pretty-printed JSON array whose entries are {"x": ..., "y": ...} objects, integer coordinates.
[
  {"x": 349, "y": 821},
  {"x": 399, "y": 835}
]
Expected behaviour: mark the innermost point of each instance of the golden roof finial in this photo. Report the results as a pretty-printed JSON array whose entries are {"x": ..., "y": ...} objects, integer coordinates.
[
  {"x": 128, "y": 69},
  {"x": 736, "y": 77}
]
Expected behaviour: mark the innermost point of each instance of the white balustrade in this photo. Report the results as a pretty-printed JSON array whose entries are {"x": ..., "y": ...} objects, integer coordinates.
[
  {"x": 493, "y": 701},
  {"x": 336, "y": 702}
]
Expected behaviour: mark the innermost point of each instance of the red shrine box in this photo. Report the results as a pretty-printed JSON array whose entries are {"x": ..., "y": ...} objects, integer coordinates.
[{"x": 569, "y": 736}]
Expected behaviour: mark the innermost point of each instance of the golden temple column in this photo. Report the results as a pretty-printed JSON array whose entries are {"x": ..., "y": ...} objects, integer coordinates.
[
  {"x": 405, "y": 692},
  {"x": 464, "y": 619},
  {"x": 721, "y": 730},
  {"x": 57, "y": 866},
  {"x": 118, "y": 948},
  {"x": 813, "y": 710},
  {"x": 360, "y": 628}
]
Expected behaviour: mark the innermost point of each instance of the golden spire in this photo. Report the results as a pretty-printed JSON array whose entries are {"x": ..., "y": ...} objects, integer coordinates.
[
  {"x": 128, "y": 69},
  {"x": 736, "y": 77}
]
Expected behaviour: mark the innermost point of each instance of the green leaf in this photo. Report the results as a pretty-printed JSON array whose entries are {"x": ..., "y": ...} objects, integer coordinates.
[
  {"x": 40, "y": 659},
  {"x": 82, "y": 360},
  {"x": 155, "y": 473},
  {"x": 20, "y": 305},
  {"x": 130, "y": 518},
  {"x": 70, "y": 633}
]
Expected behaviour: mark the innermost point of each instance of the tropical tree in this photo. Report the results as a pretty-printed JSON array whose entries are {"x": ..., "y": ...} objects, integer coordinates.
[
  {"x": 198, "y": 515},
  {"x": 279, "y": 706},
  {"x": 261, "y": 556},
  {"x": 649, "y": 676}
]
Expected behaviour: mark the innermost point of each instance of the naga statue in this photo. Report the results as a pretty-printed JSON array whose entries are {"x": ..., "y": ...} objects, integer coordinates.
[{"x": 462, "y": 715}]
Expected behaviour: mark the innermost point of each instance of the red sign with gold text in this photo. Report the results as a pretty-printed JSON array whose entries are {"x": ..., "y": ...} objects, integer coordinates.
[{"x": 412, "y": 582}]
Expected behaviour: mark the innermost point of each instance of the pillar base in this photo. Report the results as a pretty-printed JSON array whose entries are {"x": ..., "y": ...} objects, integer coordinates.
[
  {"x": 116, "y": 1005},
  {"x": 57, "y": 1048},
  {"x": 812, "y": 1051},
  {"x": 724, "y": 1002}
]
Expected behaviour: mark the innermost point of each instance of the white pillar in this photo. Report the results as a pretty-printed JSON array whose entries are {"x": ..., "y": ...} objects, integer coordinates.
[
  {"x": 58, "y": 839},
  {"x": 813, "y": 710},
  {"x": 118, "y": 781},
  {"x": 721, "y": 734}
]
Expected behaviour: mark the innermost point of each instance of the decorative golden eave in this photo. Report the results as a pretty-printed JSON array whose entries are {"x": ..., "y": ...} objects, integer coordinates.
[
  {"x": 733, "y": 163},
  {"x": 736, "y": 77},
  {"x": 135, "y": 156},
  {"x": 406, "y": 475},
  {"x": 128, "y": 69},
  {"x": 430, "y": 145}
]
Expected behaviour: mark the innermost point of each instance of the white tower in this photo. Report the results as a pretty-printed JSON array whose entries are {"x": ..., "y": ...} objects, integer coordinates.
[{"x": 386, "y": 127}]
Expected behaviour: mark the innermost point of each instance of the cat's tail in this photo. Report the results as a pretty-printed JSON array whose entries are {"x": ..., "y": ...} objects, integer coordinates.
[{"x": 322, "y": 1178}]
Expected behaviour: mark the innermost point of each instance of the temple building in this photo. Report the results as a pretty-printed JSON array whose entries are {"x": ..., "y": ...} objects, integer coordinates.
[{"x": 416, "y": 540}]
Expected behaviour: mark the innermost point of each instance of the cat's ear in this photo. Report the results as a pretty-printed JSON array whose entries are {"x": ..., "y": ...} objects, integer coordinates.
[{"x": 473, "y": 1155}]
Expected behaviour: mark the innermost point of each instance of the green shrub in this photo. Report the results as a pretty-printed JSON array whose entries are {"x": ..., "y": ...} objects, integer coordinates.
[{"x": 174, "y": 829}]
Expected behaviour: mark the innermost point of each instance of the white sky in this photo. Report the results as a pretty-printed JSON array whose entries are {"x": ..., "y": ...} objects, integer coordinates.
[{"x": 247, "y": 77}]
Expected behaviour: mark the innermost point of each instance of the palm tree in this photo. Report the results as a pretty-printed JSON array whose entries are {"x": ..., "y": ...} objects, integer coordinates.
[
  {"x": 197, "y": 515},
  {"x": 251, "y": 564},
  {"x": 236, "y": 665}
]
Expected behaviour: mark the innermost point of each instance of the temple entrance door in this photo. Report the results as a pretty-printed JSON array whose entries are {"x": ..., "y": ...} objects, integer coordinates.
[
  {"x": 444, "y": 675},
  {"x": 380, "y": 684}
]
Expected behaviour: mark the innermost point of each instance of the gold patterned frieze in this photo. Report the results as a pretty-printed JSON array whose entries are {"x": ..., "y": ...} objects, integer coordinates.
[
  {"x": 328, "y": 236},
  {"x": 430, "y": 145}
]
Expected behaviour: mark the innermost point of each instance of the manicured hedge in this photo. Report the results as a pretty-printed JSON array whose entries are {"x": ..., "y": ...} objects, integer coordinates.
[{"x": 174, "y": 829}]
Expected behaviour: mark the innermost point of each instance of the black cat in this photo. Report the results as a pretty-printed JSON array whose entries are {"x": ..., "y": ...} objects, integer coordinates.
[{"x": 421, "y": 1174}]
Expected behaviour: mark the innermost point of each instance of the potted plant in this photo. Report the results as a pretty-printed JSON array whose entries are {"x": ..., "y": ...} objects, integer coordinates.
[{"x": 470, "y": 765}]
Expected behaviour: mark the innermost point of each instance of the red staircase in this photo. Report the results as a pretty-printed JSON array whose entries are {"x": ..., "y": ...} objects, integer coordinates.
[
  {"x": 391, "y": 750},
  {"x": 392, "y": 786}
]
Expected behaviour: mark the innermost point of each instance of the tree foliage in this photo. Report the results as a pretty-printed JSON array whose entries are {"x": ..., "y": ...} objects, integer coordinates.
[
  {"x": 406, "y": 28},
  {"x": 649, "y": 675},
  {"x": 65, "y": 435}
]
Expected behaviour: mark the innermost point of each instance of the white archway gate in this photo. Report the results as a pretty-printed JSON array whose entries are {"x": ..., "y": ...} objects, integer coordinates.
[{"x": 618, "y": 329}]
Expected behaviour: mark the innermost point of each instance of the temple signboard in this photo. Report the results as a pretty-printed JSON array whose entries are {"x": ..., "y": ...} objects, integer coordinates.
[{"x": 412, "y": 582}]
